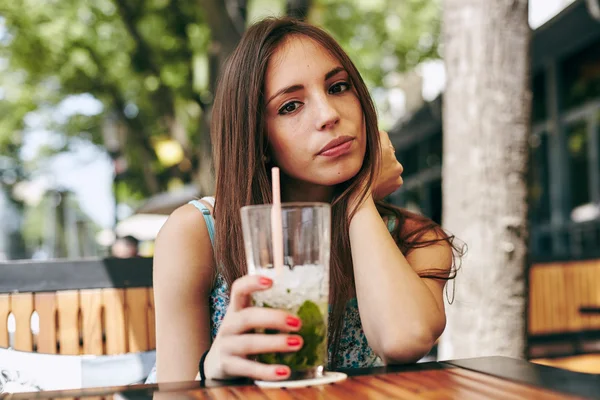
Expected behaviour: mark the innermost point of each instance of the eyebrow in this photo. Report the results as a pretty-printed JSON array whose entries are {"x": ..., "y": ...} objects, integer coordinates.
[{"x": 295, "y": 88}]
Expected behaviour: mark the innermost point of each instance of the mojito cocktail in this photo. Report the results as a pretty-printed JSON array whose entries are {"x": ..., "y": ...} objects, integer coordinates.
[{"x": 301, "y": 285}]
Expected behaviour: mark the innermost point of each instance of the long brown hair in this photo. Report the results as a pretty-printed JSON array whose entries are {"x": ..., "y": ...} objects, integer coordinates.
[{"x": 240, "y": 146}]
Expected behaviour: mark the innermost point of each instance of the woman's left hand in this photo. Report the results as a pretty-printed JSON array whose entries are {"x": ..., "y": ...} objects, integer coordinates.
[{"x": 388, "y": 180}]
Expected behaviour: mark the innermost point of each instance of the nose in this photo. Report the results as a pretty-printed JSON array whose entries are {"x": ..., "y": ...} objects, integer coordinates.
[{"x": 327, "y": 114}]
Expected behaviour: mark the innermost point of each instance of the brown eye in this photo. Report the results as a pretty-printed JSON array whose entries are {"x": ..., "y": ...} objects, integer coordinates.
[
  {"x": 339, "y": 87},
  {"x": 289, "y": 107}
]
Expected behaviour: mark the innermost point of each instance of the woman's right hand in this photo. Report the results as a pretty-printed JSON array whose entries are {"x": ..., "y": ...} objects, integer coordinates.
[{"x": 228, "y": 355}]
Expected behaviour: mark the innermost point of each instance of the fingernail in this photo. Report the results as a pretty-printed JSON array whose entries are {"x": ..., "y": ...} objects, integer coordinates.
[
  {"x": 293, "y": 341},
  {"x": 293, "y": 321},
  {"x": 265, "y": 281},
  {"x": 281, "y": 371}
]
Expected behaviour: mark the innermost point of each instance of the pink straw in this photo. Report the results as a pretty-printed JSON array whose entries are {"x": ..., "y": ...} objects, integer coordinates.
[{"x": 276, "y": 225}]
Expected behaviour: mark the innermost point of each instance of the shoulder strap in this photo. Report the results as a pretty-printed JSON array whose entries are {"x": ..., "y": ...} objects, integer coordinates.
[
  {"x": 210, "y": 222},
  {"x": 391, "y": 223}
]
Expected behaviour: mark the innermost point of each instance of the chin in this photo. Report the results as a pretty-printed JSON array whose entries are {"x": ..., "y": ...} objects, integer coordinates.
[{"x": 339, "y": 174}]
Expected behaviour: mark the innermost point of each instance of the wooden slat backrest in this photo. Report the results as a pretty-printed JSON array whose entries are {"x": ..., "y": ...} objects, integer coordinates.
[
  {"x": 91, "y": 321},
  {"x": 4, "y": 311},
  {"x": 21, "y": 306},
  {"x": 114, "y": 321},
  {"x": 45, "y": 305},
  {"x": 68, "y": 321},
  {"x": 137, "y": 319},
  {"x": 80, "y": 303},
  {"x": 151, "y": 320},
  {"x": 556, "y": 293}
]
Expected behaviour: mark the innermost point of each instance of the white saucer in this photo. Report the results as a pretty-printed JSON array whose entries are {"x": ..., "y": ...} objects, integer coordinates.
[{"x": 328, "y": 377}]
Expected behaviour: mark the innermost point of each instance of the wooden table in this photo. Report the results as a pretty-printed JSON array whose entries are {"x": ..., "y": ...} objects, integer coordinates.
[{"x": 476, "y": 378}]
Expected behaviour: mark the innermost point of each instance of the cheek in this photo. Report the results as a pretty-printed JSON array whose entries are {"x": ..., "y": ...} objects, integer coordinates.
[{"x": 287, "y": 147}]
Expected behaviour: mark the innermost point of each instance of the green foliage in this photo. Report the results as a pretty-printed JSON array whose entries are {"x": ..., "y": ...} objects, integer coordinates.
[
  {"x": 130, "y": 55},
  {"x": 147, "y": 62},
  {"x": 383, "y": 36}
]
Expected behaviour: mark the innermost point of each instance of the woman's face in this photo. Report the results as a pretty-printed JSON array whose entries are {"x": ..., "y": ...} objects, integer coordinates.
[{"x": 315, "y": 122}]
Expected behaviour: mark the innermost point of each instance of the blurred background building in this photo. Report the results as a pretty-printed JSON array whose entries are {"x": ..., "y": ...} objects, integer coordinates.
[
  {"x": 564, "y": 173},
  {"x": 563, "y": 180}
]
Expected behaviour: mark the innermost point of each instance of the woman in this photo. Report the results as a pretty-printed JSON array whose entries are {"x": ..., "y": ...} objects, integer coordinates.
[{"x": 290, "y": 97}]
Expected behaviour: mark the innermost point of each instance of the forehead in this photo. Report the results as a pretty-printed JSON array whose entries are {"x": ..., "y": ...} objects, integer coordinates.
[{"x": 298, "y": 58}]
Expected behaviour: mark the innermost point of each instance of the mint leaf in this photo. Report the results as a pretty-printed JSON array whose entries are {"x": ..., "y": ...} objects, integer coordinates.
[{"x": 314, "y": 333}]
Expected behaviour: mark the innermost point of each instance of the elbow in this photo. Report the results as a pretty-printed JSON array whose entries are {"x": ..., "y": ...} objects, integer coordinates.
[{"x": 410, "y": 347}]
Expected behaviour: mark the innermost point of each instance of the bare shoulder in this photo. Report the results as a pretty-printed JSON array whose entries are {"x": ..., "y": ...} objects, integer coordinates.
[{"x": 183, "y": 252}]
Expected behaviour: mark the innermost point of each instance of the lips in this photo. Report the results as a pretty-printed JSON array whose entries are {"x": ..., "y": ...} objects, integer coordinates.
[{"x": 338, "y": 145}]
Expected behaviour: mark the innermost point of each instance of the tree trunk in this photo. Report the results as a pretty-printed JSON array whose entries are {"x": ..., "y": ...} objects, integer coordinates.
[{"x": 486, "y": 126}]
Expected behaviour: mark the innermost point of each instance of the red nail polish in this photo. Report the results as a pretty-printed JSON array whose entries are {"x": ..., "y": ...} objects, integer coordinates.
[
  {"x": 293, "y": 321},
  {"x": 281, "y": 371},
  {"x": 265, "y": 281},
  {"x": 293, "y": 341}
]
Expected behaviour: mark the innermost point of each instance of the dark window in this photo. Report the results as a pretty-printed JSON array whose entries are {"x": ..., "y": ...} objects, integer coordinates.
[
  {"x": 538, "y": 87},
  {"x": 581, "y": 77},
  {"x": 578, "y": 164},
  {"x": 413, "y": 200},
  {"x": 597, "y": 174},
  {"x": 435, "y": 201},
  {"x": 433, "y": 151},
  {"x": 541, "y": 243},
  {"x": 409, "y": 158},
  {"x": 538, "y": 179}
]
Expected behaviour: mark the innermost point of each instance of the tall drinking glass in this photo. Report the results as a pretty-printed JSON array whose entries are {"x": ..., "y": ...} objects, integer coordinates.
[{"x": 301, "y": 286}]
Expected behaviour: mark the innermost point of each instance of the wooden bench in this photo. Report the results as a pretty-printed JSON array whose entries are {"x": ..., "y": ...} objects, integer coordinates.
[
  {"x": 560, "y": 293},
  {"x": 563, "y": 325},
  {"x": 84, "y": 307}
]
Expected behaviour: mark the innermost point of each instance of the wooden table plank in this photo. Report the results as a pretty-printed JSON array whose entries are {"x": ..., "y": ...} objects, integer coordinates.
[
  {"x": 435, "y": 382},
  {"x": 509, "y": 388},
  {"x": 452, "y": 383},
  {"x": 197, "y": 394},
  {"x": 388, "y": 388},
  {"x": 532, "y": 375},
  {"x": 222, "y": 393},
  {"x": 248, "y": 393},
  {"x": 439, "y": 381},
  {"x": 490, "y": 392},
  {"x": 360, "y": 387},
  {"x": 311, "y": 393},
  {"x": 430, "y": 387},
  {"x": 344, "y": 390},
  {"x": 277, "y": 394}
]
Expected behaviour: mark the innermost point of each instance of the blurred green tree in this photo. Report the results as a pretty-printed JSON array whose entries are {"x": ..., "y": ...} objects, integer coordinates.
[{"x": 153, "y": 64}]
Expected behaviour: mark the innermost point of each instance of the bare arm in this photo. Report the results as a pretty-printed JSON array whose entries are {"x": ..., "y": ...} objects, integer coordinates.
[
  {"x": 183, "y": 274},
  {"x": 407, "y": 316}
]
